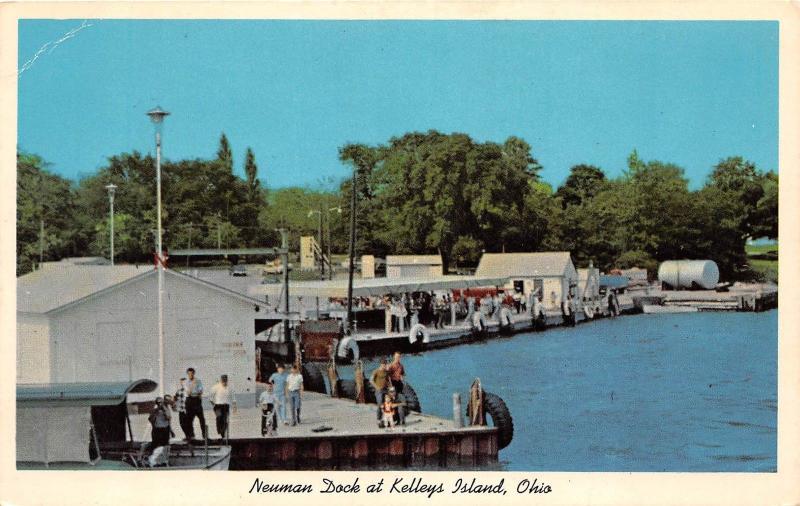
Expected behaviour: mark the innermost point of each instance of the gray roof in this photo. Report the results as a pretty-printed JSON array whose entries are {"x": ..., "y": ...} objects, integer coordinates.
[
  {"x": 413, "y": 260},
  {"x": 55, "y": 286},
  {"x": 526, "y": 265},
  {"x": 83, "y": 394}
]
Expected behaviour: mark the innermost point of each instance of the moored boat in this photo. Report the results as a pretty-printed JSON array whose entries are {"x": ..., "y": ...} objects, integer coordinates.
[{"x": 82, "y": 426}]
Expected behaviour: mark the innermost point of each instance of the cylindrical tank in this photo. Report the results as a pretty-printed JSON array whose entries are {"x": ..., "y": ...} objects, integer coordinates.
[{"x": 689, "y": 273}]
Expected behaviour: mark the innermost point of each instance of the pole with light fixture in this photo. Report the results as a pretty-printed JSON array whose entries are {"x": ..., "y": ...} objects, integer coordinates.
[
  {"x": 111, "y": 189},
  {"x": 157, "y": 116}
]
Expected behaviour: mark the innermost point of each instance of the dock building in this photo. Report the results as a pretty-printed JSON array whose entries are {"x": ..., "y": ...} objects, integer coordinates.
[
  {"x": 96, "y": 323},
  {"x": 414, "y": 266},
  {"x": 551, "y": 274}
]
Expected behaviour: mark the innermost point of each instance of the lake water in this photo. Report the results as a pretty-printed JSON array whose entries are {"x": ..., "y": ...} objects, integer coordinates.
[{"x": 672, "y": 392}]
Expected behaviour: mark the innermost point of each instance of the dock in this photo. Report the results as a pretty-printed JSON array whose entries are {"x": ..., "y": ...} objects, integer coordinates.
[{"x": 354, "y": 440}]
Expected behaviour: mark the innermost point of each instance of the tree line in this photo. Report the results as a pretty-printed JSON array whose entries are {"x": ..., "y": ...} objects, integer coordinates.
[{"x": 423, "y": 192}]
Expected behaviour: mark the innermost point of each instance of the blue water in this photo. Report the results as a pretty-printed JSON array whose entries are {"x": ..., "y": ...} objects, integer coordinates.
[{"x": 679, "y": 392}]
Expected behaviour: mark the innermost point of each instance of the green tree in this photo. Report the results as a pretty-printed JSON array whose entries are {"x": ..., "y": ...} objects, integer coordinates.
[
  {"x": 224, "y": 153},
  {"x": 251, "y": 170},
  {"x": 583, "y": 182},
  {"x": 765, "y": 216},
  {"x": 44, "y": 204}
]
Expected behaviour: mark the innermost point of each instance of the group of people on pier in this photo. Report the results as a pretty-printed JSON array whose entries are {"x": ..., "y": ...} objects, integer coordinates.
[
  {"x": 282, "y": 390},
  {"x": 388, "y": 379},
  {"x": 188, "y": 403}
]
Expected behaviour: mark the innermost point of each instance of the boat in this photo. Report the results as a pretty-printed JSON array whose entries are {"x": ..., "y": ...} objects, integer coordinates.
[
  {"x": 656, "y": 309},
  {"x": 82, "y": 426}
]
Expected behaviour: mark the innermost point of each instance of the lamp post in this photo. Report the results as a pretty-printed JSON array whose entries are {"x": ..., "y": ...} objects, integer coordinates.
[
  {"x": 157, "y": 116},
  {"x": 328, "y": 220},
  {"x": 352, "y": 248},
  {"x": 111, "y": 189}
]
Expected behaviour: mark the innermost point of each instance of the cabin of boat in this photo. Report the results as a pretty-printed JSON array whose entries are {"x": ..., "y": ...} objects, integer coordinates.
[{"x": 85, "y": 426}]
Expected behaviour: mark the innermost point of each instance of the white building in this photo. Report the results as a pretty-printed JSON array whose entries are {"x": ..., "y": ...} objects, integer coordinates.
[
  {"x": 84, "y": 323},
  {"x": 414, "y": 266},
  {"x": 551, "y": 274}
]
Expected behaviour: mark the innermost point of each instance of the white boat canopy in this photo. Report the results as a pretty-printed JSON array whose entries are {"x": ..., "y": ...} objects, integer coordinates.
[
  {"x": 54, "y": 421},
  {"x": 370, "y": 287}
]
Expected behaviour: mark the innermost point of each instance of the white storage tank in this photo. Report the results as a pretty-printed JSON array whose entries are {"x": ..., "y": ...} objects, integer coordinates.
[{"x": 689, "y": 274}]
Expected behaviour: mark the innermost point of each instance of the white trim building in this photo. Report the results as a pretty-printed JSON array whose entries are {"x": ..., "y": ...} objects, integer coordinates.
[
  {"x": 551, "y": 273},
  {"x": 100, "y": 323},
  {"x": 414, "y": 266}
]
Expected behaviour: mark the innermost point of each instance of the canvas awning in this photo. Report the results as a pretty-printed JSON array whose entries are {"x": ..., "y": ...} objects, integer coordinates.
[
  {"x": 337, "y": 288},
  {"x": 54, "y": 420},
  {"x": 80, "y": 394}
]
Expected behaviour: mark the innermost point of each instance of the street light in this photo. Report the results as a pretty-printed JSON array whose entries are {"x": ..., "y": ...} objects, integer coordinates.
[
  {"x": 330, "y": 258},
  {"x": 111, "y": 189},
  {"x": 157, "y": 116}
]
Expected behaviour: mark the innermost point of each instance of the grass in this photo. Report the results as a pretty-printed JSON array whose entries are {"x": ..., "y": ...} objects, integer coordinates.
[{"x": 763, "y": 259}]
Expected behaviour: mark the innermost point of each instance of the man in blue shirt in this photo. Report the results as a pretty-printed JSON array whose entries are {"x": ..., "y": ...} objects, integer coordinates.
[{"x": 278, "y": 381}]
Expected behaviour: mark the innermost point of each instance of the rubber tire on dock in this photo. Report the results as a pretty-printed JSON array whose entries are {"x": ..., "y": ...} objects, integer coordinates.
[
  {"x": 313, "y": 380},
  {"x": 497, "y": 410},
  {"x": 412, "y": 401},
  {"x": 346, "y": 389}
]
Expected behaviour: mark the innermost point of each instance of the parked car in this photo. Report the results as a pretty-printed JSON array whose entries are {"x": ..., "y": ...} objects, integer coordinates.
[{"x": 238, "y": 270}]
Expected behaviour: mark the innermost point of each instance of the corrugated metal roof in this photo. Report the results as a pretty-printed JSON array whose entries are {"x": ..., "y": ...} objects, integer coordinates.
[
  {"x": 85, "y": 394},
  {"x": 47, "y": 289},
  {"x": 413, "y": 260},
  {"x": 549, "y": 263}
]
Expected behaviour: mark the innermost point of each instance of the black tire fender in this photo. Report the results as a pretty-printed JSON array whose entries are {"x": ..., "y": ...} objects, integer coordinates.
[
  {"x": 313, "y": 380},
  {"x": 495, "y": 408},
  {"x": 412, "y": 401},
  {"x": 346, "y": 389}
]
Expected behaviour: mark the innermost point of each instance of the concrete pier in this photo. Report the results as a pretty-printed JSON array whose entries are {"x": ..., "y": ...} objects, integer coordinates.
[{"x": 354, "y": 440}]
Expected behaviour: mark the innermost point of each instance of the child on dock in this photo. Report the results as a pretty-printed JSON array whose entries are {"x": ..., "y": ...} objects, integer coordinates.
[{"x": 268, "y": 403}]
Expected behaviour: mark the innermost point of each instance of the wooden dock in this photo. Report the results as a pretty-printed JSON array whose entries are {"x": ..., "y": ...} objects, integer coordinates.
[{"x": 354, "y": 440}]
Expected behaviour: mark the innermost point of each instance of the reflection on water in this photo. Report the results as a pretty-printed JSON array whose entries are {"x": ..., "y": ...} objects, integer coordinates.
[{"x": 670, "y": 392}]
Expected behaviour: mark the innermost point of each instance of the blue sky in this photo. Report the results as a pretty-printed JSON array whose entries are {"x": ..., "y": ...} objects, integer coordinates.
[{"x": 579, "y": 92}]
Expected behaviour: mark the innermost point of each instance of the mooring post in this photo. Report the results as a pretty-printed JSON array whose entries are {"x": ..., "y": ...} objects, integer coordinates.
[{"x": 458, "y": 420}]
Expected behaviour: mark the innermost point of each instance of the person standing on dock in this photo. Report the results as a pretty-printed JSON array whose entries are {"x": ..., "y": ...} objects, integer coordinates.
[
  {"x": 397, "y": 373},
  {"x": 294, "y": 387},
  {"x": 278, "y": 382},
  {"x": 379, "y": 379},
  {"x": 180, "y": 406},
  {"x": 160, "y": 420},
  {"x": 221, "y": 397},
  {"x": 470, "y": 307},
  {"x": 387, "y": 311},
  {"x": 194, "y": 403}
]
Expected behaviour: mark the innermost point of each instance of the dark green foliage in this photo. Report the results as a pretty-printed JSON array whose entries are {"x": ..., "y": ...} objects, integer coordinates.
[
  {"x": 45, "y": 199},
  {"x": 423, "y": 192}
]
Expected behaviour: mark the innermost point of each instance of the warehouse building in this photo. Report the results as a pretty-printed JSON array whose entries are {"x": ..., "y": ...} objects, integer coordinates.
[
  {"x": 550, "y": 273},
  {"x": 414, "y": 266},
  {"x": 87, "y": 323}
]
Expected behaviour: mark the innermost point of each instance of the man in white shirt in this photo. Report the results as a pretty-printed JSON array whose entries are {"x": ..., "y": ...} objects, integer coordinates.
[
  {"x": 221, "y": 397},
  {"x": 294, "y": 386}
]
